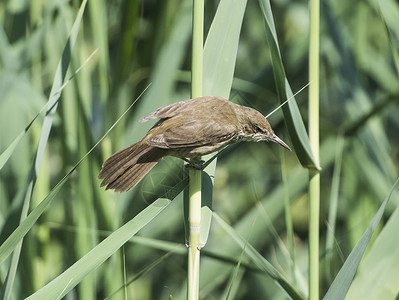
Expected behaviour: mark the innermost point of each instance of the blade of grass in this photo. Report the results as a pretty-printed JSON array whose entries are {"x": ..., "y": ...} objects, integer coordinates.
[
  {"x": 292, "y": 116},
  {"x": 220, "y": 53},
  {"x": 260, "y": 261},
  {"x": 389, "y": 12},
  {"x": 236, "y": 276},
  {"x": 221, "y": 46},
  {"x": 343, "y": 280},
  {"x": 99, "y": 25},
  {"x": 4, "y": 157},
  {"x": 82, "y": 202},
  {"x": 18, "y": 234},
  {"x": 140, "y": 273},
  {"x": 378, "y": 273},
  {"x": 61, "y": 285},
  {"x": 333, "y": 208},
  {"x": 10, "y": 149},
  {"x": 168, "y": 63},
  {"x": 288, "y": 215},
  {"x": 47, "y": 124}
]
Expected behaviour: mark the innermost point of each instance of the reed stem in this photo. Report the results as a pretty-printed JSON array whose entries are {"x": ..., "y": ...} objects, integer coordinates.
[
  {"x": 194, "y": 216},
  {"x": 314, "y": 183}
]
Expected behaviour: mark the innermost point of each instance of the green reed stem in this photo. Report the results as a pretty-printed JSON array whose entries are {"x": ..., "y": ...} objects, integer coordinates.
[
  {"x": 194, "y": 216},
  {"x": 314, "y": 184}
]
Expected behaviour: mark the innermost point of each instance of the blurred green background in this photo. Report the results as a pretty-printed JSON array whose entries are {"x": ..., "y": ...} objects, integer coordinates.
[{"x": 140, "y": 42}]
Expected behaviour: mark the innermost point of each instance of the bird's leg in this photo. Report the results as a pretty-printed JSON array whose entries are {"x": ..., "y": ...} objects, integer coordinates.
[
  {"x": 201, "y": 245},
  {"x": 198, "y": 165}
]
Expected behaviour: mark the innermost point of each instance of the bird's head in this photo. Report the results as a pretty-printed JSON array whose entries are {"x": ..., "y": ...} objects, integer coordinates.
[{"x": 256, "y": 128}]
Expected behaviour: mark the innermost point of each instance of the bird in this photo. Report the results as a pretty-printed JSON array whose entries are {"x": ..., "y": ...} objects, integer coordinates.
[{"x": 188, "y": 130}]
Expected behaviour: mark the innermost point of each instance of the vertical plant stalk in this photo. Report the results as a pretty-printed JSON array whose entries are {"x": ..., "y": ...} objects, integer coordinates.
[
  {"x": 194, "y": 211},
  {"x": 194, "y": 237},
  {"x": 314, "y": 184},
  {"x": 288, "y": 218},
  {"x": 333, "y": 206},
  {"x": 197, "y": 54}
]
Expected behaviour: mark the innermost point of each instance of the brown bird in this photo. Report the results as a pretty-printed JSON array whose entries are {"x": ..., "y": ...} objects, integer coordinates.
[{"x": 186, "y": 129}]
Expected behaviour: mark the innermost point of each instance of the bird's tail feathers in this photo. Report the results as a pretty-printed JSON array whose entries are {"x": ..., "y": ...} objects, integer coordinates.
[{"x": 124, "y": 169}]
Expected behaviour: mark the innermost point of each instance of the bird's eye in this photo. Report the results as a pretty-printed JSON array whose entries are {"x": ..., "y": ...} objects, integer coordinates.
[{"x": 258, "y": 129}]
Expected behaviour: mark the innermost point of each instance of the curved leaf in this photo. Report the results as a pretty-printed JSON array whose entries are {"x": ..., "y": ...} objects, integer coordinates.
[
  {"x": 342, "y": 282},
  {"x": 61, "y": 285},
  {"x": 292, "y": 116}
]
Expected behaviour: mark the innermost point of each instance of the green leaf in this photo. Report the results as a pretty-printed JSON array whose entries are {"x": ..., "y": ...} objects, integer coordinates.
[
  {"x": 206, "y": 209},
  {"x": 292, "y": 116},
  {"x": 333, "y": 207},
  {"x": 389, "y": 11},
  {"x": 61, "y": 285},
  {"x": 370, "y": 282},
  {"x": 10, "y": 149},
  {"x": 259, "y": 260},
  {"x": 163, "y": 80},
  {"x": 221, "y": 46},
  {"x": 342, "y": 282},
  {"x": 45, "y": 132},
  {"x": 18, "y": 234},
  {"x": 220, "y": 53}
]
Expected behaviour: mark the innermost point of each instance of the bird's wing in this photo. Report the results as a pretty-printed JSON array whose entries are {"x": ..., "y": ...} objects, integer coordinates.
[
  {"x": 204, "y": 121},
  {"x": 190, "y": 135}
]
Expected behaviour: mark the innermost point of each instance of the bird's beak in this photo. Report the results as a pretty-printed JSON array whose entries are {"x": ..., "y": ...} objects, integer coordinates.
[{"x": 279, "y": 141}]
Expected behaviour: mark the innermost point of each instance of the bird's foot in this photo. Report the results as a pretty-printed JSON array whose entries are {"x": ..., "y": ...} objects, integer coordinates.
[
  {"x": 197, "y": 165},
  {"x": 200, "y": 246}
]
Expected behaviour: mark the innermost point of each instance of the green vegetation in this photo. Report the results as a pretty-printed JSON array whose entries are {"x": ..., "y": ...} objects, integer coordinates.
[{"x": 76, "y": 77}]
